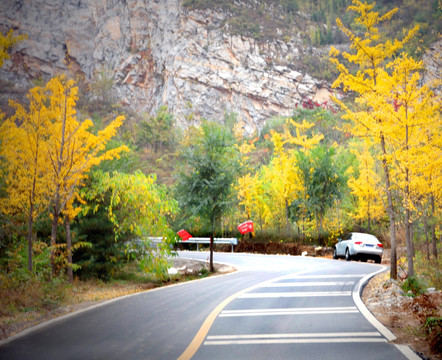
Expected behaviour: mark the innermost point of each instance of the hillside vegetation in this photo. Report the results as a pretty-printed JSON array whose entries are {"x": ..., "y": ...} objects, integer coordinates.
[
  {"x": 313, "y": 23},
  {"x": 85, "y": 182}
]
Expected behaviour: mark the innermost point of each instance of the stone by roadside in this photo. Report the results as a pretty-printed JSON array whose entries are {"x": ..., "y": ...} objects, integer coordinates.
[{"x": 406, "y": 316}]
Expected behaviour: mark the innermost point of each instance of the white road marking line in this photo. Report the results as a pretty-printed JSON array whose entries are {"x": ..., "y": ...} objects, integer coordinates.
[
  {"x": 345, "y": 340},
  {"x": 294, "y": 335},
  {"x": 297, "y": 309},
  {"x": 410, "y": 354},
  {"x": 324, "y": 276},
  {"x": 310, "y": 283},
  {"x": 293, "y": 294},
  {"x": 289, "y": 311},
  {"x": 357, "y": 291}
]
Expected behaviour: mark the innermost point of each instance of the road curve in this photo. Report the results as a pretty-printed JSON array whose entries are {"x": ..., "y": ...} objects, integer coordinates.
[{"x": 274, "y": 307}]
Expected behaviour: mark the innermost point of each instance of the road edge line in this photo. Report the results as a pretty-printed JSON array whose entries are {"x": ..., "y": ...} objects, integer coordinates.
[
  {"x": 357, "y": 290},
  {"x": 103, "y": 303},
  {"x": 408, "y": 352}
]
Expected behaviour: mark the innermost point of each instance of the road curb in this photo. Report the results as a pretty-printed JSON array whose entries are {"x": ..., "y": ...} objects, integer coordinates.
[{"x": 357, "y": 292}]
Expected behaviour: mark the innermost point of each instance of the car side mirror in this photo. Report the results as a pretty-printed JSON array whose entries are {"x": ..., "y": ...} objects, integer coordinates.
[{"x": 339, "y": 239}]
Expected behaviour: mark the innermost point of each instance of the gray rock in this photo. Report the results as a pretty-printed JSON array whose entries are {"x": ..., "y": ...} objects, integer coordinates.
[{"x": 160, "y": 54}]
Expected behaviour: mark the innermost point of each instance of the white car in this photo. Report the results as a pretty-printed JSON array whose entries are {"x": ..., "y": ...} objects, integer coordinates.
[{"x": 359, "y": 246}]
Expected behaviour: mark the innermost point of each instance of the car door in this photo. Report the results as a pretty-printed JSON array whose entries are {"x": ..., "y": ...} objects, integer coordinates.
[{"x": 342, "y": 245}]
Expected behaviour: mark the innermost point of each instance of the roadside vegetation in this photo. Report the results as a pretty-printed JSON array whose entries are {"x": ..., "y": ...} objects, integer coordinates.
[
  {"x": 85, "y": 182},
  {"x": 314, "y": 23}
]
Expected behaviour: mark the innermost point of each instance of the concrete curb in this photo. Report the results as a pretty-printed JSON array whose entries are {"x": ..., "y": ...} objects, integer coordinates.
[{"x": 357, "y": 291}]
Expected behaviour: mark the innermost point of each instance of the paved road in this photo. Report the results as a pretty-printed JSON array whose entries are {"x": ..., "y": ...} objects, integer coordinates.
[{"x": 274, "y": 307}]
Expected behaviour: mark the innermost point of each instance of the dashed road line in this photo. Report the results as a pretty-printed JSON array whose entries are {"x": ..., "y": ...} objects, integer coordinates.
[
  {"x": 290, "y": 294},
  {"x": 293, "y": 335},
  {"x": 289, "y": 311},
  {"x": 323, "y": 276},
  {"x": 310, "y": 283},
  {"x": 304, "y": 338}
]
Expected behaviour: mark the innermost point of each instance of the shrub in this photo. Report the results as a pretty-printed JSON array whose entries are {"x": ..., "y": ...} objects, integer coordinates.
[{"x": 413, "y": 285}]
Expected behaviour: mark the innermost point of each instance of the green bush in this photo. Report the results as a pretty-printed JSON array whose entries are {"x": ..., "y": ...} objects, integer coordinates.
[
  {"x": 429, "y": 269},
  {"x": 413, "y": 286}
]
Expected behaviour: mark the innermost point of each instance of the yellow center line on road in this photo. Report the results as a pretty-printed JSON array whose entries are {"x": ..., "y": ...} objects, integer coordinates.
[{"x": 207, "y": 324}]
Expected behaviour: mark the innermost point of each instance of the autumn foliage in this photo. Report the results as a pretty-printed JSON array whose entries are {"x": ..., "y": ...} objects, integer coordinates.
[
  {"x": 396, "y": 116},
  {"x": 48, "y": 153}
]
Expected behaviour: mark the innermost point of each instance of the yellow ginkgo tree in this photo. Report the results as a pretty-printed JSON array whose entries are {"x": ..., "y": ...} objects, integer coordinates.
[
  {"x": 282, "y": 173},
  {"x": 415, "y": 127},
  {"x": 23, "y": 139},
  {"x": 47, "y": 153},
  {"x": 370, "y": 117},
  {"x": 73, "y": 149},
  {"x": 282, "y": 176}
]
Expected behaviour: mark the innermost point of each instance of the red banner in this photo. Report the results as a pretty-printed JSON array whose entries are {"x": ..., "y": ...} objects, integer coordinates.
[
  {"x": 184, "y": 235},
  {"x": 246, "y": 227}
]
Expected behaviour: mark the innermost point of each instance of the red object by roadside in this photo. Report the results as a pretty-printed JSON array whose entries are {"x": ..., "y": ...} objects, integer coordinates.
[
  {"x": 246, "y": 227},
  {"x": 184, "y": 235}
]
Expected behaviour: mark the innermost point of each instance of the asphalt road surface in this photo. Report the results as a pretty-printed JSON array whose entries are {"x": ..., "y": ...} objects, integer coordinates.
[{"x": 273, "y": 307}]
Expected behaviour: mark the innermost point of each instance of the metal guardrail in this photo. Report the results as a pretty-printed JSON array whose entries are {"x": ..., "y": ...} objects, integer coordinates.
[{"x": 198, "y": 241}]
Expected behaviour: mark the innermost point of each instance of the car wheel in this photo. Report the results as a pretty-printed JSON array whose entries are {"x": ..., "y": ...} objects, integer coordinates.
[
  {"x": 347, "y": 255},
  {"x": 335, "y": 255},
  {"x": 378, "y": 260}
]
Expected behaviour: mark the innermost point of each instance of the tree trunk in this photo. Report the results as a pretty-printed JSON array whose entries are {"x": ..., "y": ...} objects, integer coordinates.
[
  {"x": 390, "y": 210},
  {"x": 67, "y": 224},
  {"x": 317, "y": 223},
  {"x": 408, "y": 235},
  {"x": 409, "y": 242},
  {"x": 54, "y": 235},
  {"x": 369, "y": 217},
  {"x": 287, "y": 223},
  {"x": 427, "y": 241},
  {"x": 56, "y": 199},
  {"x": 31, "y": 206},
  {"x": 212, "y": 269},
  {"x": 30, "y": 222},
  {"x": 211, "y": 253},
  {"x": 433, "y": 229}
]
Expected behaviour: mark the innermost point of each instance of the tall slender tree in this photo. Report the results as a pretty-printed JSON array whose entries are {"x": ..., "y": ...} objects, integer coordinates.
[
  {"x": 371, "y": 83},
  {"x": 72, "y": 149},
  {"x": 204, "y": 185},
  {"x": 23, "y": 139}
]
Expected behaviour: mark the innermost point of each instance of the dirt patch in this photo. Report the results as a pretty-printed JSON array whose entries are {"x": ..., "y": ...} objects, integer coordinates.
[{"x": 406, "y": 316}]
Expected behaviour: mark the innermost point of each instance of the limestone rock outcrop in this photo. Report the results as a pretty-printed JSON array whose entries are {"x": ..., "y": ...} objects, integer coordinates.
[{"x": 159, "y": 53}]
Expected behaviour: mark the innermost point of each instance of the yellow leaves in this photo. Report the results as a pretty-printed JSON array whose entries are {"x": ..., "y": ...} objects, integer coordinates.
[
  {"x": 333, "y": 52},
  {"x": 302, "y": 140},
  {"x": 48, "y": 151},
  {"x": 6, "y": 42},
  {"x": 23, "y": 147},
  {"x": 366, "y": 187}
]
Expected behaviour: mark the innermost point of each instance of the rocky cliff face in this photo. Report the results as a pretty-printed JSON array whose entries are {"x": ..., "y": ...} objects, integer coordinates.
[{"x": 159, "y": 53}]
